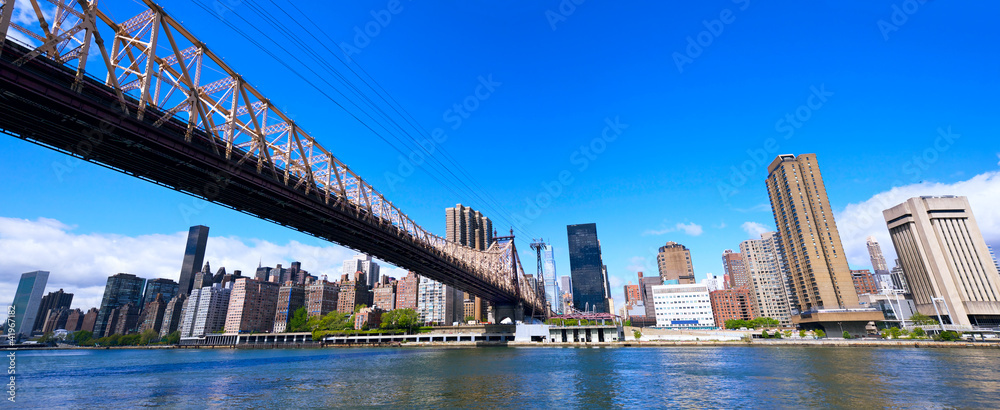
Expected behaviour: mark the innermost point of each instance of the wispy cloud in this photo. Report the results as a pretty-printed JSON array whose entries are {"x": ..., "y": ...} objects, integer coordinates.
[
  {"x": 754, "y": 229},
  {"x": 857, "y": 221},
  {"x": 755, "y": 208}
]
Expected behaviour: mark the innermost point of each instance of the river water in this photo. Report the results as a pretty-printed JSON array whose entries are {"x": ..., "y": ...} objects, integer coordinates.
[{"x": 704, "y": 377}]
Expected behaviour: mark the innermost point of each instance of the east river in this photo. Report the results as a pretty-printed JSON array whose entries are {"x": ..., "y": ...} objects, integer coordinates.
[{"x": 701, "y": 377}]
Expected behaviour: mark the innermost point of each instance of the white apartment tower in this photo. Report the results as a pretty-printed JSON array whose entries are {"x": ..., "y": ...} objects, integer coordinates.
[{"x": 763, "y": 263}]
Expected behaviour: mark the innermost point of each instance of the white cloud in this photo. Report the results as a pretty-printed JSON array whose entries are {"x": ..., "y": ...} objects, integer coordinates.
[
  {"x": 81, "y": 263},
  {"x": 857, "y": 221},
  {"x": 754, "y": 229},
  {"x": 692, "y": 229}
]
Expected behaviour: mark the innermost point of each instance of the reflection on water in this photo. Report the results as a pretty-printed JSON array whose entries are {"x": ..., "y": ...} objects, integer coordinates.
[{"x": 706, "y": 377}]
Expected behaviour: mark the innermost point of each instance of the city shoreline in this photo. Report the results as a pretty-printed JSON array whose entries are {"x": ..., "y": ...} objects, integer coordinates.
[{"x": 620, "y": 344}]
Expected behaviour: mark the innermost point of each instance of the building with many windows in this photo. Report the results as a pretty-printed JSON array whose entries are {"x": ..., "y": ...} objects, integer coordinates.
[
  {"x": 729, "y": 304},
  {"x": 121, "y": 289},
  {"x": 767, "y": 277},
  {"x": 407, "y": 290},
  {"x": 322, "y": 298},
  {"x": 735, "y": 267},
  {"x": 945, "y": 260},
  {"x": 27, "y": 300},
  {"x": 291, "y": 297},
  {"x": 687, "y": 306},
  {"x": 590, "y": 288},
  {"x": 674, "y": 262},
  {"x": 194, "y": 255},
  {"x": 812, "y": 248},
  {"x": 864, "y": 282},
  {"x": 438, "y": 303},
  {"x": 252, "y": 306}
]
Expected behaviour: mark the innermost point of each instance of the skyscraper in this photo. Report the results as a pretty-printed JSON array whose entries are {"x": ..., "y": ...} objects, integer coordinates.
[
  {"x": 172, "y": 315},
  {"x": 736, "y": 270},
  {"x": 875, "y": 252},
  {"x": 407, "y": 291},
  {"x": 674, "y": 261},
  {"x": 566, "y": 284},
  {"x": 552, "y": 290},
  {"x": 27, "y": 300},
  {"x": 194, "y": 255},
  {"x": 291, "y": 296},
  {"x": 252, "y": 306},
  {"x": 363, "y": 263},
  {"x": 120, "y": 290},
  {"x": 53, "y": 301},
  {"x": 587, "y": 269},
  {"x": 468, "y": 227},
  {"x": 812, "y": 246},
  {"x": 159, "y": 286},
  {"x": 438, "y": 303},
  {"x": 767, "y": 275},
  {"x": 945, "y": 259}
]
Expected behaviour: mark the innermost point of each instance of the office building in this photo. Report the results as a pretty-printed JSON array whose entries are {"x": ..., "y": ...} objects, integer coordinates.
[
  {"x": 59, "y": 300},
  {"x": 552, "y": 289},
  {"x": 875, "y": 253},
  {"x": 468, "y": 227},
  {"x": 735, "y": 269},
  {"x": 674, "y": 262},
  {"x": 291, "y": 297},
  {"x": 252, "y": 306},
  {"x": 124, "y": 320},
  {"x": 159, "y": 286},
  {"x": 566, "y": 284},
  {"x": 121, "y": 289},
  {"x": 812, "y": 247},
  {"x": 899, "y": 278},
  {"x": 686, "y": 306},
  {"x": 27, "y": 301},
  {"x": 767, "y": 277},
  {"x": 407, "y": 290},
  {"x": 194, "y": 255},
  {"x": 587, "y": 269},
  {"x": 895, "y": 308},
  {"x": 647, "y": 283},
  {"x": 365, "y": 264},
  {"x": 945, "y": 260},
  {"x": 730, "y": 304},
  {"x": 172, "y": 315},
  {"x": 864, "y": 282},
  {"x": 439, "y": 304},
  {"x": 152, "y": 315},
  {"x": 322, "y": 298},
  {"x": 714, "y": 282}
]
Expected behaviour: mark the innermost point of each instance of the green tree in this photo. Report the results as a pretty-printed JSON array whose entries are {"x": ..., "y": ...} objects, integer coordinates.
[
  {"x": 820, "y": 333},
  {"x": 637, "y": 334},
  {"x": 802, "y": 333},
  {"x": 357, "y": 308},
  {"x": 923, "y": 320},
  {"x": 737, "y": 323},
  {"x": 174, "y": 337},
  {"x": 299, "y": 321},
  {"x": 81, "y": 337},
  {"x": 470, "y": 319},
  {"x": 764, "y": 335},
  {"x": 948, "y": 336},
  {"x": 788, "y": 333},
  {"x": 919, "y": 332},
  {"x": 405, "y": 319},
  {"x": 149, "y": 336},
  {"x": 895, "y": 332},
  {"x": 847, "y": 335}
]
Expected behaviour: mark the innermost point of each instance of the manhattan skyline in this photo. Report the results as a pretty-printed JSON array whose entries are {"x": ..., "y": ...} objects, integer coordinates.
[{"x": 890, "y": 115}]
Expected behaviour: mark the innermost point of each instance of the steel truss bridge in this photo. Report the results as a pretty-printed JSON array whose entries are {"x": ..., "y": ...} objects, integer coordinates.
[{"x": 170, "y": 111}]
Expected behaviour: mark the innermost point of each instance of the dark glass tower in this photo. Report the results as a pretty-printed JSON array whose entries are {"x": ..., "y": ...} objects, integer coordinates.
[
  {"x": 194, "y": 255},
  {"x": 121, "y": 289},
  {"x": 166, "y": 287},
  {"x": 586, "y": 269}
]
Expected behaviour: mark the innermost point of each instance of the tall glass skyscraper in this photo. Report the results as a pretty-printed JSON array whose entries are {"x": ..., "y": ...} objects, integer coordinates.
[
  {"x": 586, "y": 269},
  {"x": 552, "y": 291},
  {"x": 194, "y": 255},
  {"x": 27, "y": 300},
  {"x": 121, "y": 289}
]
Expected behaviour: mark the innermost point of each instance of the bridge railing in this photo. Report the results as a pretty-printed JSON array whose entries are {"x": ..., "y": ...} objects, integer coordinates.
[{"x": 154, "y": 60}]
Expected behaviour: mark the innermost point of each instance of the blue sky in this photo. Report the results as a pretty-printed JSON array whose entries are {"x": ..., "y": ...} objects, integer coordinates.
[{"x": 882, "y": 92}]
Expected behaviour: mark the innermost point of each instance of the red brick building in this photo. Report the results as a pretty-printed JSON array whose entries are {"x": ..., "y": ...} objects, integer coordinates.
[
  {"x": 633, "y": 294},
  {"x": 733, "y": 304},
  {"x": 406, "y": 291},
  {"x": 864, "y": 282}
]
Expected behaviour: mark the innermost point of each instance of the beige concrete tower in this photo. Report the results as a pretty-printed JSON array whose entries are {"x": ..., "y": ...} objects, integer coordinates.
[
  {"x": 945, "y": 259},
  {"x": 674, "y": 261},
  {"x": 811, "y": 242}
]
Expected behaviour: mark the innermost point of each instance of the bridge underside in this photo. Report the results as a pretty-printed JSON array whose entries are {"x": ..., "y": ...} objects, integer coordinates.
[{"x": 37, "y": 105}]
